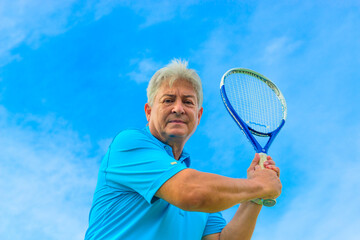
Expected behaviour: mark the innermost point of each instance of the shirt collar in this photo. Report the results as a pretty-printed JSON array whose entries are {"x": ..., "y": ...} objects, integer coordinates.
[{"x": 184, "y": 157}]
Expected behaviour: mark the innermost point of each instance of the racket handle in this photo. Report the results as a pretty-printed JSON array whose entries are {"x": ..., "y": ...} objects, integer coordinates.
[{"x": 266, "y": 202}]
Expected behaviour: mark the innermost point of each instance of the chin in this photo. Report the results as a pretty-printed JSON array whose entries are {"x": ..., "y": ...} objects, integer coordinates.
[{"x": 179, "y": 134}]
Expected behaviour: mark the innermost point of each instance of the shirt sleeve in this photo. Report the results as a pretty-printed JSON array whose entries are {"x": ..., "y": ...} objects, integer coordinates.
[
  {"x": 139, "y": 163},
  {"x": 215, "y": 224}
]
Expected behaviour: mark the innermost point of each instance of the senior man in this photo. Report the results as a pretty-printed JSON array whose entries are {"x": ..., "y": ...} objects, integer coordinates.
[{"x": 146, "y": 188}]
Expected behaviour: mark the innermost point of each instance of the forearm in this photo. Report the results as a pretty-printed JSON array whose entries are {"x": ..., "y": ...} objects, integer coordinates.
[
  {"x": 242, "y": 226},
  {"x": 216, "y": 193}
]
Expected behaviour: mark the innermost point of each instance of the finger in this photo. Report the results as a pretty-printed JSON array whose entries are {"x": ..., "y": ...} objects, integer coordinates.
[
  {"x": 269, "y": 162},
  {"x": 274, "y": 168}
]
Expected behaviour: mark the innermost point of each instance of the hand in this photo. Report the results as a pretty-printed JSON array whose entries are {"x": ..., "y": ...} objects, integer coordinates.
[
  {"x": 270, "y": 164},
  {"x": 267, "y": 178}
]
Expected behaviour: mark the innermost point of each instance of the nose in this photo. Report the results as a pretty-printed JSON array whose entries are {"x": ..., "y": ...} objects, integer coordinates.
[{"x": 178, "y": 107}]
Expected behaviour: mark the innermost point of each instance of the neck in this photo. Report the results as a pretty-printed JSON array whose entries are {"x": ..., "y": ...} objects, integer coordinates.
[
  {"x": 177, "y": 149},
  {"x": 176, "y": 143}
]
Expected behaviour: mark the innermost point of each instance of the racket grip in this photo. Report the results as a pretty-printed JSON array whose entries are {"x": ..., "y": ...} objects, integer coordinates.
[{"x": 266, "y": 202}]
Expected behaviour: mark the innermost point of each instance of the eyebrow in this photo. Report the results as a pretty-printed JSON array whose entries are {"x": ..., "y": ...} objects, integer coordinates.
[
  {"x": 173, "y": 95},
  {"x": 190, "y": 96}
]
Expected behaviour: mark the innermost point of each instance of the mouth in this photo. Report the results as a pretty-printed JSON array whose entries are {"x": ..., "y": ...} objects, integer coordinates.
[{"x": 177, "y": 121}]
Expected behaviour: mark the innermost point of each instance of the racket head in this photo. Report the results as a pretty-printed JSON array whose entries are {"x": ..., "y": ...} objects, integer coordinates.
[{"x": 253, "y": 100}]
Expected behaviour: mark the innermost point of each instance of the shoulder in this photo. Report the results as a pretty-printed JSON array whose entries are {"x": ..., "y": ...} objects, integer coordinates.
[
  {"x": 134, "y": 138},
  {"x": 130, "y": 133}
]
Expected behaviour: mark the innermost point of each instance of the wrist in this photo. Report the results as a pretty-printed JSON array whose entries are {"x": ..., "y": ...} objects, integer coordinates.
[
  {"x": 252, "y": 205},
  {"x": 256, "y": 188}
]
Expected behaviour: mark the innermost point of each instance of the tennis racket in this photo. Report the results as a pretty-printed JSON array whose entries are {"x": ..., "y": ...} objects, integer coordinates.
[{"x": 257, "y": 106}]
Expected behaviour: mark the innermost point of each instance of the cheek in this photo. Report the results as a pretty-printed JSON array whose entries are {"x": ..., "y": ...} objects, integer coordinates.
[
  {"x": 161, "y": 116},
  {"x": 194, "y": 118}
]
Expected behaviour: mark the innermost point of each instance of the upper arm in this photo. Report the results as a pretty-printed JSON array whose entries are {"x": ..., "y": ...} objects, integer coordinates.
[
  {"x": 215, "y": 236},
  {"x": 183, "y": 190}
]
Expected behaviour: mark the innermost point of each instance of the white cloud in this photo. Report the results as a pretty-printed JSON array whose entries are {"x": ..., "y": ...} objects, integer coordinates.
[
  {"x": 28, "y": 21},
  {"x": 165, "y": 10},
  {"x": 153, "y": 11},
  {"x": 279, "y": 49},
  {"x": 47, "y": 178},
  {"x": 105, "y": 7},
  {"x": 328, "y": 208},
  {"x": 318, "y": 148},
  {"x": 144, "y": 70}
]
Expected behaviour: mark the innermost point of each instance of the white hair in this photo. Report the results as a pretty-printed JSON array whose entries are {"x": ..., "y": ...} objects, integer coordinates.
[{"x": 175, "y": 70}]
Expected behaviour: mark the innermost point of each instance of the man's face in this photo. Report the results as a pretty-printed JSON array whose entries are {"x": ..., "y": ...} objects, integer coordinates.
[{"x": 174, "y": 114}]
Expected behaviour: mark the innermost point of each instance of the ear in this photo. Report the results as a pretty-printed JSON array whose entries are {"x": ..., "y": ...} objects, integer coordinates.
[
  {"x": 200, "y": 112},
  {"x": 147, "y": 111}
]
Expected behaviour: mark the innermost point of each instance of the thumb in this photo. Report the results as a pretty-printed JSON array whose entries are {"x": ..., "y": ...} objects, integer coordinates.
[
  {"x": 255, "y": 161},
  {"x": 257, "y": 167}
]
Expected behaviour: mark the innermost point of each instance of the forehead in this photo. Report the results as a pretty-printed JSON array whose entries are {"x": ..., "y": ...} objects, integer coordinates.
[{"x": 179, "y": 86}]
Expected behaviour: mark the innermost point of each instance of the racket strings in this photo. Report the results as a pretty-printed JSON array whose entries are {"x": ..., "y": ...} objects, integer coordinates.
[{"x": 254, "y": 101}]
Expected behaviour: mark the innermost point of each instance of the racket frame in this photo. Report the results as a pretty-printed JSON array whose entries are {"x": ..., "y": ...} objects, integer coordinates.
[{"x": 247, "y": 130}]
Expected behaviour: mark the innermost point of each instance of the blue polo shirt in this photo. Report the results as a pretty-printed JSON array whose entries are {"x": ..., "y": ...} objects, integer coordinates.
[{"x": 125, "y": 206}]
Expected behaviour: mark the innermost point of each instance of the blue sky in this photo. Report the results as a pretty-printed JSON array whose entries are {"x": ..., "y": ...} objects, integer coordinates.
[{"x": 74, "y": 73}]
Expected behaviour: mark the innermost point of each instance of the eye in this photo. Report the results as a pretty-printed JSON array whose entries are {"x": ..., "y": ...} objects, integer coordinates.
[
  {"x": 189, "y": 102},
  {"x": 168, "y": 100}
]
